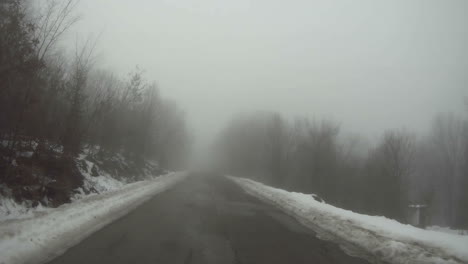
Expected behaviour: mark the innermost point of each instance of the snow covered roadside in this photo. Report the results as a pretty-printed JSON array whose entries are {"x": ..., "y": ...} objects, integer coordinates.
[
  {"x": 381, "y": 238},
  {"x": 448, "y": 230},
  {"x": 48, "y": 234}
]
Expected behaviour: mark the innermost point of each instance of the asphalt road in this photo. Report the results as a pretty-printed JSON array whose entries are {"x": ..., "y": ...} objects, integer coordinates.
[{"x": 205, "y": 219}]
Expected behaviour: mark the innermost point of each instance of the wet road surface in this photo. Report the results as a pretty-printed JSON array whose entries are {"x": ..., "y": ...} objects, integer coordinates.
[{"x": 205, "y": 219}]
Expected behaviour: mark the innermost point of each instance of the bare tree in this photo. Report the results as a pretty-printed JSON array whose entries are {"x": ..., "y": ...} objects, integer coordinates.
[
  {"x": 389, "y": 167},
  {"x": 448, "y": 137},
  {"x": 55, "y": 18},
  {"x": 276, "y": 147},
  {"x": 316, "y": 156},
  {"x": 83, "y": 61}
]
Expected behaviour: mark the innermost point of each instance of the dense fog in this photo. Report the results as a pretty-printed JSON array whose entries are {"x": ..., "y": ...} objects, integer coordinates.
[
  {"x": 370, "y": 66},
  {"x": 348, "y": 100},
  {"x": 364, "y": 103}
]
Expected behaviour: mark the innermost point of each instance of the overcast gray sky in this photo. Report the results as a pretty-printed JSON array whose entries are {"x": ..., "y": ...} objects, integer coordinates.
[{"x": 370, "y": 65}]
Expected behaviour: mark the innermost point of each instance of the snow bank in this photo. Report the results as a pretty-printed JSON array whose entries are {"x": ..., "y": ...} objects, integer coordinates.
[
  {"x": 448, "y": 230},
  {"x": 378, "y": 238},
  {"x": 47, "y": 234}
]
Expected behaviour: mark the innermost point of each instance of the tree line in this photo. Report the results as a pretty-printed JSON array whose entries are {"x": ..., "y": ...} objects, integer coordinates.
[
  {"x": 382, "y": 178},
  {"x": 59, "y": 101}
]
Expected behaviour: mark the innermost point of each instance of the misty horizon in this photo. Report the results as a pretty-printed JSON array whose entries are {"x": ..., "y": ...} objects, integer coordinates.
[{"x": 369, "y": 67}]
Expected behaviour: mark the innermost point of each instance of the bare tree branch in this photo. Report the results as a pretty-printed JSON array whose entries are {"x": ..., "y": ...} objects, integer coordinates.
[{"x": 58, "y": 17}]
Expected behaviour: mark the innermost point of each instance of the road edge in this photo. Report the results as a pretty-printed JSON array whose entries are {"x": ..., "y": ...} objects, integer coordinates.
[{"x": 43, "y": 238}]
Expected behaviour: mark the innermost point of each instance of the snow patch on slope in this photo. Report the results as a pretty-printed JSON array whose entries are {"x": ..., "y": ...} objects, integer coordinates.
[
  {"x": 381, "y": 239},
  {"x": 9, "y": 209},
  {"x": 92, "y": 185},
  {"x": 96, "y": 184},
  {"x": 47, "y": 234}
]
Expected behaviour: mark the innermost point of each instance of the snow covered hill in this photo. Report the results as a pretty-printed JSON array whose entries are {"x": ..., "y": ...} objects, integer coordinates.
[
  {"x": 374, "y": 237},
  {"x": 43, "y": 234}
]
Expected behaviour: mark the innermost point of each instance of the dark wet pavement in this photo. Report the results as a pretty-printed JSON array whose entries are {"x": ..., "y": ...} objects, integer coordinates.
[{"x": 205, "y": 219}]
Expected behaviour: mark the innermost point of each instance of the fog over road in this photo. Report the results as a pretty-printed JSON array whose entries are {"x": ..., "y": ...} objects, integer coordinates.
[{"x": 205, "y": 219}]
